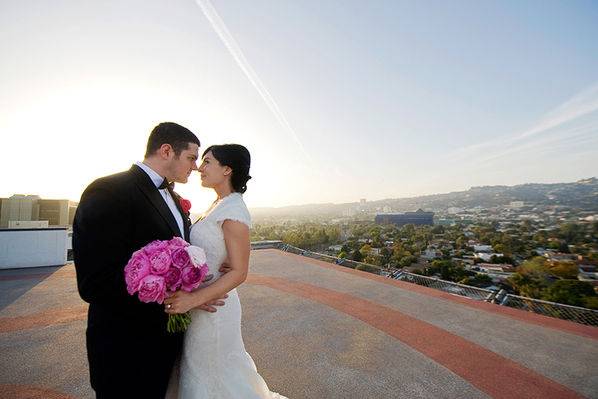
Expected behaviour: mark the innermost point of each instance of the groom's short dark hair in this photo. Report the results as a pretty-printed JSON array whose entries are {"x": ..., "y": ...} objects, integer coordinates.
[{"x": 171, "y": 133}]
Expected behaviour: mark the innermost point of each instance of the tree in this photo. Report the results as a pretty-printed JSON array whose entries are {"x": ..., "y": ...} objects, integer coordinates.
[
  {"x": 356, "y": 256},
  {"x": 385, "y": 254},
  {"x": 479, "y": 280},
  {"x": 438, "y": 229},
  {"x": 564, "y": 248},
  {"x": 591, "y": 302},
  {"x": 527, "y": 285},
  {"x": 570, "y": 292},
  {"x": 366, "y": 250},
  {"x": 501, "y": 259},
  {"x": 566, "y": 270},
  {"x": 407, "y": 260},
  {"x": 571, "y": 232},
  {"x": 372, "y": 260},
  {"x": 408, "y": 230},
  {"x": 532, "y": 278}
]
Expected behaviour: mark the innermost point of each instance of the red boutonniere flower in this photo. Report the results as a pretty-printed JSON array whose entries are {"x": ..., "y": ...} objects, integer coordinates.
[{"x": 185, "y": 205}]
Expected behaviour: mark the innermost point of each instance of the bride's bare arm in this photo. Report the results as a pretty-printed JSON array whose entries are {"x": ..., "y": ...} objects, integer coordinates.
[{"x": 236, "y": 238}]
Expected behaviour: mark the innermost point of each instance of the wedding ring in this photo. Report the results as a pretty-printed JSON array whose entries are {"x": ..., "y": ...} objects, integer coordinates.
[{"x": 168, "y": 306}]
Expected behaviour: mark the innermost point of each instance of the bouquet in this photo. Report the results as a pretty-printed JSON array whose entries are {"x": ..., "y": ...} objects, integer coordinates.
[{"x": 163, "y": 267}]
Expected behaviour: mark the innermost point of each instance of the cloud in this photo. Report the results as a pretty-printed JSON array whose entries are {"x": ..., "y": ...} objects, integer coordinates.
[
  {"x": 235, "y": 50},
  {"x": 570, "y": 122}
]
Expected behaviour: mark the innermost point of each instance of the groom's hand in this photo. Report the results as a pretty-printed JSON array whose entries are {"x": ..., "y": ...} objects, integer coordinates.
[{"x": 211, "y": 305}]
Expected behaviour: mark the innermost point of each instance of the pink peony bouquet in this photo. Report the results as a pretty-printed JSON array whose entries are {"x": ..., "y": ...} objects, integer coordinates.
[{"x": 163, "y": 267}]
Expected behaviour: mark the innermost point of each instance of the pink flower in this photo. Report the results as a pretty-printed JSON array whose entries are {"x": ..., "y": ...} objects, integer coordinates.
[
  {"x": 172, "y": 279},
  {"x": 155, "y": 246},
  {"x": 185, "y": 204},
  {"x": 177, "y": 242},
  {"x": 192, "y": 276},
  {"x": 160, "y": 261},
  {"x": 152, "y": 289},
  {"x": 180, "y": 257},
  {"x": 198, "y": 256},
  {"x": 137, "y": 268}
]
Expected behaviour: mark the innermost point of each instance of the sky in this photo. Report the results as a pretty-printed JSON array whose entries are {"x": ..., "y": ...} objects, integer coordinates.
[{"x": 336, "y": 100}]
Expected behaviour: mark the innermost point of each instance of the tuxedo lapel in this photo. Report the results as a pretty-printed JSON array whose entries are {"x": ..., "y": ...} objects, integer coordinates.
[
  {"x": 186, "y": 220},
  {"x": 147, "y": 187}
]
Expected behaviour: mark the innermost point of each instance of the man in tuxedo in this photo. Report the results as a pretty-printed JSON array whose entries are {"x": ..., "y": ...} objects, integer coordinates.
[{"x": 130, "y": 352}]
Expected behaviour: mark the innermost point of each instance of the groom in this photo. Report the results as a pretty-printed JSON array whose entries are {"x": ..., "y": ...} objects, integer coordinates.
[{"x": 129, "y": 351}]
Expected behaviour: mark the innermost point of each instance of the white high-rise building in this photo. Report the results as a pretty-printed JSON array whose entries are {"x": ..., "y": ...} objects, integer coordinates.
[
  {"x": 30, "y": 208},
  {"x": 19, "y": 208}
]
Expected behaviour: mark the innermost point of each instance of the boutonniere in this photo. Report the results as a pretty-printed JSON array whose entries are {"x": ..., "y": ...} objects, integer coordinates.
[{"x": 185, "y": 205}]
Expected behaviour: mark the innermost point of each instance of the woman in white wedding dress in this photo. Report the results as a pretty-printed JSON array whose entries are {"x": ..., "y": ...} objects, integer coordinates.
[{"x": 214, "y": 363}]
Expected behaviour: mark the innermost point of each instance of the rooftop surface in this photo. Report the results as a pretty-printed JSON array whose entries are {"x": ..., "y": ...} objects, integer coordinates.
[{"x": 317, "y": 330}]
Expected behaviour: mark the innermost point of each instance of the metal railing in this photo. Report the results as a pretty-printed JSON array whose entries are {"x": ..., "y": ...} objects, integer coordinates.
[
  {"x": 480, "y": 294},
  {"x": 552, "y": 309},
  {"x": 499, "y": 297},
  {"x": 333, "y": 259}
]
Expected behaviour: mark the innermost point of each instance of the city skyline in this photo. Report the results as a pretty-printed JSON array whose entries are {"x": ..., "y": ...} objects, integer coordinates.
[{"x": 336, "y": 101}]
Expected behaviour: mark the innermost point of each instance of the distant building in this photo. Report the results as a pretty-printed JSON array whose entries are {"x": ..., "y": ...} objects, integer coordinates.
[
  {"x": 492, "y": 267},
  {"x": 19, "y": 208},
  {"x": 349, "y": 212},
  {"x": 431, "y": 253},
  {"x": 487, "y": 256},
  {"x": 56, "y": 212},
  {"x": 32, "y": 208},
  {"x": 561, "y": 257},
  {"x": 516, "y": 204},
  {"x": 419, "y": 218},
  {"x": 482, "y": 248}
]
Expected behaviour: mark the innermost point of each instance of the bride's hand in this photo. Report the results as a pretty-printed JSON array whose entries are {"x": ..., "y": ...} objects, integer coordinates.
[{"x": 180, "y": 302}]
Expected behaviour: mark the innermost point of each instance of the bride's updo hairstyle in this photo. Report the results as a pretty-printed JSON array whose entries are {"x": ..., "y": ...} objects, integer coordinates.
[{"x": 236, "y": 157}]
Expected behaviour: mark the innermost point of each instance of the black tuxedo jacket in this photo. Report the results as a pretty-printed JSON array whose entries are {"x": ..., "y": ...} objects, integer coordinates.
[{"x": 127, "y": 343}]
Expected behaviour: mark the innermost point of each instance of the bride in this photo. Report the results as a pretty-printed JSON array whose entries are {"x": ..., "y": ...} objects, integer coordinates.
[{"x": 214, "y": 362}]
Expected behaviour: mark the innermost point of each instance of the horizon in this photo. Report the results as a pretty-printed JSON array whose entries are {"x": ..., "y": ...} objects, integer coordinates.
[
  {"x": 335, "y": 102},
  {"x": 370, "y": 200}
]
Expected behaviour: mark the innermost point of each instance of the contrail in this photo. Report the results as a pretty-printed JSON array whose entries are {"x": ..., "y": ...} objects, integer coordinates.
[
  {"x": 231, "y": 44},
  {"x": 569, "y": 136},
  {"x": 580, "y": 105}
]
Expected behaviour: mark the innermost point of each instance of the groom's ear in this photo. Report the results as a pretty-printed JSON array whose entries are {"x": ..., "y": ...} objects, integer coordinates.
[{"x": 165, "y": 151}]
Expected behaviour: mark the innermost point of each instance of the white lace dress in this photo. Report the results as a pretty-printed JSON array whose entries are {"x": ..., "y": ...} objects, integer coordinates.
[{"x": 214, "y": 363}]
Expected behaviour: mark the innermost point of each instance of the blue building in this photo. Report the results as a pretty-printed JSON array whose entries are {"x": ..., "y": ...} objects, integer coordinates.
[{"x": 418, "y": 218}]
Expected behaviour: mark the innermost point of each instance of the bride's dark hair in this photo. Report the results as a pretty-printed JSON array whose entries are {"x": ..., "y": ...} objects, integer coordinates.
[{"x": 236, "y": 157}]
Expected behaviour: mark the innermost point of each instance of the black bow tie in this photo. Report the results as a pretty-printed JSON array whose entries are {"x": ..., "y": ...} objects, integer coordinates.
[{"x": 165, "y": 184}]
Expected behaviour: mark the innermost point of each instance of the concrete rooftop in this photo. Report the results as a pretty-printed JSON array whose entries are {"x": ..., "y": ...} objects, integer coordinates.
[{"x": 317, "y": 330}]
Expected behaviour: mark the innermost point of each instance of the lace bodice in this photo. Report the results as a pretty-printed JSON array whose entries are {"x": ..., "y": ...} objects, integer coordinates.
[{"x": 207, "y": 232}]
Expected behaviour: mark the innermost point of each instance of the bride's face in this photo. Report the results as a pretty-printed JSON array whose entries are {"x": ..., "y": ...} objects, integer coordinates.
[{"x": 212, "y": 172}]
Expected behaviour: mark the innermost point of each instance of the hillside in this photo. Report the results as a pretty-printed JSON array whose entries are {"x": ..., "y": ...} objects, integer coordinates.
[{"x": 582, "y": 195}]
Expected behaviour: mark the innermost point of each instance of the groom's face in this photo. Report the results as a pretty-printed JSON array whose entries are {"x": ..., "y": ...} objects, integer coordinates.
[{"x": 182, "y": 166}]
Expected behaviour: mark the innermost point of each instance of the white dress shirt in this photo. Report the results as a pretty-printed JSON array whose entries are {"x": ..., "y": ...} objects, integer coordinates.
[{"x": 157, "y": 179}]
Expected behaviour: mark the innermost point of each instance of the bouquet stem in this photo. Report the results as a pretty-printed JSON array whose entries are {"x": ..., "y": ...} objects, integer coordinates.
[{"x": 178, "y": 322}]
